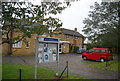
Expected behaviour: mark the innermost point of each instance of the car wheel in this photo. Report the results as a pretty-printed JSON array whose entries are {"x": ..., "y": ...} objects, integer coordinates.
[
  {"x": 84, "y": 58},
  {"x": 102, "y": 60}
]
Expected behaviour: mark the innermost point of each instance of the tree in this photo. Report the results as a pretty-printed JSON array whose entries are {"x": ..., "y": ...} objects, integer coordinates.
[
  {"x": 53, "y": 25},
  {"x": 26, "y": 19},
  {"x": 101, "y": 26}
]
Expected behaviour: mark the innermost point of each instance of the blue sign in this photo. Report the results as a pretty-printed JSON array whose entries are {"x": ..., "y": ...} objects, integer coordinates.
[
  {"x": 47, "y": 39},
  {"x": 50, "y": 39}
]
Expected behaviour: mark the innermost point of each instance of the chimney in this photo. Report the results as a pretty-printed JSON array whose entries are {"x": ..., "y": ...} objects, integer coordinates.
[{"x": 75, "y": 29}]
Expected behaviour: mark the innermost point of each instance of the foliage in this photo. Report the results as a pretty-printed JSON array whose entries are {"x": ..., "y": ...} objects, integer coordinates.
[
  {"x": 26, "y": 18},
  {"x": 22, "y": 19},
  {"x": 101, "y": 26}
]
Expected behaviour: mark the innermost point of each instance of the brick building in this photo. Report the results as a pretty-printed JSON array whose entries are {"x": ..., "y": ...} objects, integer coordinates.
[{"x": 68, "y": 40}]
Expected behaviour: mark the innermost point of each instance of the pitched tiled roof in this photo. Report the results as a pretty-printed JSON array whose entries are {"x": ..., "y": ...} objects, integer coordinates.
[{"x": 72, "y": 32}]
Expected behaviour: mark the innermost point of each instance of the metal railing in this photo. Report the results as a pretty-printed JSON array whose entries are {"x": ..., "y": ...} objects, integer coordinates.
[
  {"x": 59, "y": 78},
  {"x": 66, "y": 68}
]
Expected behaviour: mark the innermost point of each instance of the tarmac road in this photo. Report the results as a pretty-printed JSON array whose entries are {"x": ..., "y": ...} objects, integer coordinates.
[{"x": 77, "y": 66}]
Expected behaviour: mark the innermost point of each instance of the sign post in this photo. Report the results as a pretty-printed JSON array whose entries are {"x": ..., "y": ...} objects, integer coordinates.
[{"x": 47, "y": 50}]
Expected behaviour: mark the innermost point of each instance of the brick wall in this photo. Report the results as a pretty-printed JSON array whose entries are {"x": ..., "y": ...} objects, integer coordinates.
[{"x": 31, "y": 49}]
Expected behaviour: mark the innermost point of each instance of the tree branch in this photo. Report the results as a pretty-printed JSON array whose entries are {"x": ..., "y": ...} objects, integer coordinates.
[{"x": 19, "y": 40}]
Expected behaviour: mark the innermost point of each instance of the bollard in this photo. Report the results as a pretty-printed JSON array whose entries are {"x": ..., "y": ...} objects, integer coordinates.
[
  {"x": 20, "y": 74},
  {"x": 107, "y": 61},
  {"x": 67, "y": 68}
]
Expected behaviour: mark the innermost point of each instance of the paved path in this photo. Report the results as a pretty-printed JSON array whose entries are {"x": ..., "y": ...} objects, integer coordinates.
[{"x": 76, "y": 66}]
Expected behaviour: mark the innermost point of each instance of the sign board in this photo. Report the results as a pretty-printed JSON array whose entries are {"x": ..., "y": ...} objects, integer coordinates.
[{"x": 47, "y": 49}]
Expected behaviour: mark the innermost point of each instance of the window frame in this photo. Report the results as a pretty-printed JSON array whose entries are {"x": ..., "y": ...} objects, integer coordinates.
[
  {"x": 104, "y": 50},
  {"x": 92, "y": 51},
  {"x": 100, "y": 51},
  {"x": 17, "y": 45},
  {"x": 97, "y": 50},
  {"x": 28, "y": 43},
  {"x": 67, "y": 37},
  {"x": 76, "y": 38}
]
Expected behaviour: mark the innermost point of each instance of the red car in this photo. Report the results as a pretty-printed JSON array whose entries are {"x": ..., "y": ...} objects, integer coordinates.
[{"x": 101, "y": 54}]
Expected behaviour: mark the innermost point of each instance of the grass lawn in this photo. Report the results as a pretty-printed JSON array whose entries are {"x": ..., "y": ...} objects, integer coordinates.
[
  {"x": 11, "y": 71},
  {"x": 18, "y": 55},
  {"x": 0, "y": 54},
  {"x": 23, "y": 54},
  {"x": 112, "y": 65}
]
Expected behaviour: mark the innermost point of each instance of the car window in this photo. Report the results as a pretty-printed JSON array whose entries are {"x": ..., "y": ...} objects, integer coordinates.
[
  {"x": 103, "y": 51},
  {"x": 100, "y": 51},
  {"x": 109, "y": 51},
  {"x": 90, "y": 51}
]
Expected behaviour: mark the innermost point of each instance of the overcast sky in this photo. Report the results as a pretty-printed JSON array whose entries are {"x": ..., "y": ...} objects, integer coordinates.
[{"x": 73, "y": 17}]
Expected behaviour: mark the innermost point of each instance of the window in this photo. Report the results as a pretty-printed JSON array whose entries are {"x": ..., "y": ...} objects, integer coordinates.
[
  {"x": 103, "y": 51},
  {"x": 67, "y": 37},
  {"x": 27, "y": 44},
  {"x": 17, "y": 45},
  {"x": 60, "y": 48},
  {"x": 109, "y": 51},
  {"x": 44, "y": 35},
  {"x": 100, "y": 51},
  {"x": 76, "y": 38},
  {"x": 90, "y": 51}
]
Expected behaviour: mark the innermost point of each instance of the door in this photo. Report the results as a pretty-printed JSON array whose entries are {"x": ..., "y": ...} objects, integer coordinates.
[
  {"x": 99, "y": 53},
  {"x": 60, "y": 48},
  {"x": 90, "y": 54},
  {"x": 70, "y": 48}
]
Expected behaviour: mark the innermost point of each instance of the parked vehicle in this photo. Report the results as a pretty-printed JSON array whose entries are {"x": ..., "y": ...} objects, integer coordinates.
[
  {"x": 81, "y": 50},
  {"x": 101, "y": 54}
]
